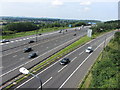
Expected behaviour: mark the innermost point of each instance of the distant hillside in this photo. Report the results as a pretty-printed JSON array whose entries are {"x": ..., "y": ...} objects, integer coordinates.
[{"x": 31, "y": 19}]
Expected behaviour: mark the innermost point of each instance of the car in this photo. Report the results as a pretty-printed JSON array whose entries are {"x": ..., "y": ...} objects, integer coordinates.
[
  {"x": 64, "y": 61},
  {"x": 89, "y": 50},
  {"x": 60, "y": 31},
  {"x": 27, "y": 49},
  {"x": 4, "y": 41},
  {"x": 31, "y": 41},
  {"x": 74, "y": 34},
  {"x": 32, "y": 55},
  {"x": 40, "y": 34}
]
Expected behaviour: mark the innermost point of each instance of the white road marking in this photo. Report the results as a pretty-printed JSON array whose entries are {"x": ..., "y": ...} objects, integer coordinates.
[
  {"x": 16, "y": 40},
  {"x": 62, "y": 68},
  {"x": 12, "y": 41},
  {"x": 81, "y": 53},
  {"x": 73, "y": 59},
  {"x": 15, "y": 56},
  {"x": 1, "y": 67},
  {"x": 20, "y": 40},
  {"x": 45, "y": 82}
]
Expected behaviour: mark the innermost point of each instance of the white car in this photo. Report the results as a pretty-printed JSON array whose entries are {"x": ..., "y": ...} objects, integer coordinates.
[
  {"x": 89, "y": 50},
  {"x": 4, "y": 41}
]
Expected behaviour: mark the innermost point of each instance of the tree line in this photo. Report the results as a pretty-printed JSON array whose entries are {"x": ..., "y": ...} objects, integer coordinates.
[
  {"x": 16, "y": 27},
  {"x": 105, "y": 26}
]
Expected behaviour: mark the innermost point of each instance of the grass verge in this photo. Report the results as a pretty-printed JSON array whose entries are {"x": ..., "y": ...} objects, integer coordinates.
[{"x": 105, "y": 71}]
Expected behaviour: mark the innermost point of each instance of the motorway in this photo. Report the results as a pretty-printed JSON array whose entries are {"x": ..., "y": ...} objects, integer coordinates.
[
  {"x": 21, "y": 42},
  {"x": 70, "y": 75},
  {"x": 16, "y": 58}
]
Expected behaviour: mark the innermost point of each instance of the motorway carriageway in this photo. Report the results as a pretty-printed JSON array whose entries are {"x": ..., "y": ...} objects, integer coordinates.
[
  {"x": 17, "y": 58},
  {"x": 68, "y": 76},
  {"x": 18, "y": 43}
]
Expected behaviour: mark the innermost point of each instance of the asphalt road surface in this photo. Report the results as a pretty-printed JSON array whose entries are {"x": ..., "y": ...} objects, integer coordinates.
[
  {"x": 68, "y": 76},
  {"x": 16, "y": 58},
  {"x": 22, "y": 41}
]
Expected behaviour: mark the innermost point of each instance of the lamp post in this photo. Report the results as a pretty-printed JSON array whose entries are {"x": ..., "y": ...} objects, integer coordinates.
[
  {"x": 36, "y": 34},
  {"x": 25, "y": 71}
]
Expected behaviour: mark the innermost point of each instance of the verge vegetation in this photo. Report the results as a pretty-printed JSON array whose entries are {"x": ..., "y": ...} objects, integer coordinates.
[{"x": 105, "y": 73}]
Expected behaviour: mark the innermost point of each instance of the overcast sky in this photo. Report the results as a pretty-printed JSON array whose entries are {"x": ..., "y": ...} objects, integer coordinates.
[{"x": 65, "y": 9}]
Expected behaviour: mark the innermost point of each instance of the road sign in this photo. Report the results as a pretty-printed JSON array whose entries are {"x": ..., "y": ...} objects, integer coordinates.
[
  {"x": 70, "y": 25},
  {"x": 89, "y": 33}
]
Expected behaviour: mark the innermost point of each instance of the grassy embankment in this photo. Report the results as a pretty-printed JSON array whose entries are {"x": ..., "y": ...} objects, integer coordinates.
[
  {"x": 22, "y": 34},
  {"x": 105, "y": 73}
]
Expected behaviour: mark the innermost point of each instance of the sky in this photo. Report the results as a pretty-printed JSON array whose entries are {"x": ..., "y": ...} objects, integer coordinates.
[{"x": 103, "y": 10}]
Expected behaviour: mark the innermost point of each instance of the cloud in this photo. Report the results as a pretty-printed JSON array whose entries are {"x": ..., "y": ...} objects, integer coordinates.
[
  {"x": 57, "y": 3},
  {"x": 85, "y": 3}
]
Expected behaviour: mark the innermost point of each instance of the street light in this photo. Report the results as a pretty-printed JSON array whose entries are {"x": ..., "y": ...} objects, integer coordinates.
[
  {"x": 36, "y": 34},
  {"x": 25, "y": 71}
]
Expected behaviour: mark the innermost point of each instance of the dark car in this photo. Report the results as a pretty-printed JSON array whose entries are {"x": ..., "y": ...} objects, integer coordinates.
[
  {"x": 31, "y": 41},
  {"x": 32, "y": 55},
  {"x": 27, "y": 49},
  {"x": 64, "y": 61},
  {"x": 4, "y": 41},
  {"x": 60, "y": 31},
  {"x": 74, "y": 34},
  {"x": 40, "y": 34}
]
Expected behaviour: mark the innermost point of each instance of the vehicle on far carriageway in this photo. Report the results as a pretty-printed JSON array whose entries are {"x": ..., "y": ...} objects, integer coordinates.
[
  {"x": 27, "y": 49},
  {"x": 32, "y": 55},
  {"x": 4, "y": 41},
  {"x": 31, "y": 41},
  {"x": 75, "y": 34}
]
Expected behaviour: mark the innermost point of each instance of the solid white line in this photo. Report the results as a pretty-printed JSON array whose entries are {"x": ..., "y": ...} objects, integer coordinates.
[
  {"x": 1, "y": 67},
  {"x": 81, "y": 53},
  {"x": 79, "y": 66},
  {"x": 20, "y": 40},
  {"x": 16, "y": 40},
  {"x": 24, "y": 39},
  {"x": 15, "y": 56},
  {"x": 12, "y": 41},
  {"x": 73, "y": 59},
  {"x": 62, "y": 68},
  {"x": 46, "y": 82}
]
